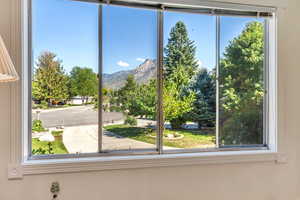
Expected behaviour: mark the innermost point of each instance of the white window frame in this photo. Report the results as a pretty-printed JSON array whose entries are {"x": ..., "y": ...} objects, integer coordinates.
[{"x": 20, "y": 164}]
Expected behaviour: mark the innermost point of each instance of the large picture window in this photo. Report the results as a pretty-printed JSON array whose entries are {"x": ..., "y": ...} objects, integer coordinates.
[{"x": 130, "y": 78}]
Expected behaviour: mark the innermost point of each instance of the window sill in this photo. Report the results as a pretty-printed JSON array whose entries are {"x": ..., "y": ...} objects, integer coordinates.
[{"x": 133, "y": 162}]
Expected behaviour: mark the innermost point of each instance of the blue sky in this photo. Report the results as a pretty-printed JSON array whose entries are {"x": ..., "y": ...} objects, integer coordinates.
[{"x": 70, "y": 30}]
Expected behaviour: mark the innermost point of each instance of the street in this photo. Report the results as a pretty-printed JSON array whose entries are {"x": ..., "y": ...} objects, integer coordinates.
[{"x": 74, "y": 116}]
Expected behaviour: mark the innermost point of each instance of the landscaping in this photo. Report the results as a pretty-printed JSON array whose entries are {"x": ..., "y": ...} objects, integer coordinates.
[
  {"x": 191, "y": 138},
  {"x": 44, "y": 147}
]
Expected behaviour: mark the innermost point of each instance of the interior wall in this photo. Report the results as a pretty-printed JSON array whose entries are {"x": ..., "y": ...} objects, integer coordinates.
[{"x": 260, "y": 181}]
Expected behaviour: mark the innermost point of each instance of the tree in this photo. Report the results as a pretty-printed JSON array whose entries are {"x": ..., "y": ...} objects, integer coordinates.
[
  {"x": 180, "y": 52},
  {"x": 204, "y": 107},
  {"x": 242, "y": 87},
  {"x": 180, "y": 66},
  {"x": 49, "y": 80},
  {"x": 127, "y": 94},
  {"x": 83, "y": 82},
  {"x": 175, "y": 105},
  {"x": 145, "y": 100}
]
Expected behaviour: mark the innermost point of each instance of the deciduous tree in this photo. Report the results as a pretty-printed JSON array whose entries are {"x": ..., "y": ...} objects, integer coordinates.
[{"x": 49, "y": 79}]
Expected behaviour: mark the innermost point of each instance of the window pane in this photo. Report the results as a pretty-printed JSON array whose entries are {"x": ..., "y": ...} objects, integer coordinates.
[
  {"x": 189, "y": 81},
  {"x": 64, "y": 77},
  {"x": 129, "y": 78},
  {"x": 241, "y": 81}
]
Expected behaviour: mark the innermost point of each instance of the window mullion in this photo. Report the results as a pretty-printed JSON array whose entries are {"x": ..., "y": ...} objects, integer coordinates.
[
  {"x": 30, "y": 72},
  {"x": 100, "y": 67},
  {"x": 217, "y": 77},
  {"x": 266, "y": 82},
  {"x": 160, "y": 119}
]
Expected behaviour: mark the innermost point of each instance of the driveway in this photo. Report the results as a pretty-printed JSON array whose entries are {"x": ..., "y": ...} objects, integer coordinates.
[
  {"x": 74, "y": 116},
  {"x": 84, "y": 139}
]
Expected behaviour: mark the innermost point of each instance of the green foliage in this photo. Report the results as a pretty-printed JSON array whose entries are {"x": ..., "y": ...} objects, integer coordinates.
[
  {"x": 180, "y": 67},
  {"x": 49, "y": 80},
  {"x": 242, "y": 87},
  {"x": 176, "y": 105},
  {"x": 37, "y": 126},
  {"x": 144, "y": 102},
  {"x": 243, "y": 127},
  {"x": 83, "y": 82},
  {"x": 43, "y": 147},
  {"x": 180, "y": 52},
  {"x": 48, "y": 149},
  {"x": 127, "y": 93},
  {"x": 38, "y": 151},
  {"x": 57, "y": 133},
  {"x": 42, "y": 105},
  {"x": 130, "y": 121},
  {"x": 204, "y": 107}
]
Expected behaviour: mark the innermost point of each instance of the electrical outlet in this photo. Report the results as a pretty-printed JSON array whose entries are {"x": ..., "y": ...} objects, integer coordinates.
[{"x": 55, "y": 189}]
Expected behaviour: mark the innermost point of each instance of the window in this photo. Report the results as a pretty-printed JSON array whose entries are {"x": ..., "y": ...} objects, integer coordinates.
[{"x": 131, "y": 78}]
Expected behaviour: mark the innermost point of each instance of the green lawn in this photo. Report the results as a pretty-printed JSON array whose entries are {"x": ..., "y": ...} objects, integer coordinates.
[
  {"x": 192, "y": 138},
  {"x": 58, "y": 146}
]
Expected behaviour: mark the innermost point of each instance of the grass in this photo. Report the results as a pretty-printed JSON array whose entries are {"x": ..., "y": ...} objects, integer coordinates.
[
  {"x": 192, "y": 138},
  {"x": 58, "y": 146}
]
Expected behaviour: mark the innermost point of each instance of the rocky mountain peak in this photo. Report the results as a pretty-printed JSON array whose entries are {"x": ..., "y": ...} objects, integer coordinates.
[{"x": 142, "y": 74}]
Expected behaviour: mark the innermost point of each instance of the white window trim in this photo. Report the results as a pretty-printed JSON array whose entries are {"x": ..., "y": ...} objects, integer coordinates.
[{"x": 19, "y": 165}]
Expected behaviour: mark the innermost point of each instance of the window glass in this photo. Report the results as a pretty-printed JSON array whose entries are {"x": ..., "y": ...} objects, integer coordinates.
[
  {"x": 189, "y": 97},
  {"x": 242, "y": 88},
  {"x": 94, "y": 80},
  {"x": 129, "y": 78},
  {"x": 64, "y": 77}
]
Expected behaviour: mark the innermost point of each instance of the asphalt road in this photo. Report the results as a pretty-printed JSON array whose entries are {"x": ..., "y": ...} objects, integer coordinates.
[{"x": 74, "y": 116}]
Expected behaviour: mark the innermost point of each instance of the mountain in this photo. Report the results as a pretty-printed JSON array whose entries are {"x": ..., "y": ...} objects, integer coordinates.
[{"x": 142, "y": 74}]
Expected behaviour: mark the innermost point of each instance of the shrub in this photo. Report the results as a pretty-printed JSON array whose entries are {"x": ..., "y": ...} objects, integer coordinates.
[
  {"x": 37, "y": 126},
  {"x": 44, "y": 150},
  {"x": 42, "y": 105},
  {"x": 57, "y": 133},
  {"x": 39, "y": 151},
  {"x": 114, "y": 108},
  {"x": 130, "y": 121}
]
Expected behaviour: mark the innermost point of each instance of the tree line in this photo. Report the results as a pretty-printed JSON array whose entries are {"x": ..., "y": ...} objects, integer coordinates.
[{"x": 189, "y": 91}]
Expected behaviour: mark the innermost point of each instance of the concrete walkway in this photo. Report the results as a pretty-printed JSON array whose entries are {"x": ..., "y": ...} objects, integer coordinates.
[{"x": 84, "y": 139}]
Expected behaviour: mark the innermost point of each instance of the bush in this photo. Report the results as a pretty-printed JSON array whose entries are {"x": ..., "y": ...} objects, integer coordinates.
[
  {"x": 244, "y": 127},
  {"x": 44, "y": 150},
  {"x": 114, "y": 108},
  {"x": 57, "y": 133},
  {"x": 39, "y": 151},
  {"x": 130, "y": 121},
  {"x": 37, "y": 126},
  {"x": 42, "y": 105}
]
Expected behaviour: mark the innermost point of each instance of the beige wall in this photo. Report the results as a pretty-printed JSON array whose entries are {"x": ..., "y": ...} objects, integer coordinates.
[{"x": 265, "y": 181}]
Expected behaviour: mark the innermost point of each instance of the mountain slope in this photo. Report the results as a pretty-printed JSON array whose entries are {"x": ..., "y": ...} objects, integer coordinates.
[{"x": 142, "y": 74}]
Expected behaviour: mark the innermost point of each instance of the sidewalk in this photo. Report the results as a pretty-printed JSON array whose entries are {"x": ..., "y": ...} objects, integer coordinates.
[{"x": 84, "y": 139}]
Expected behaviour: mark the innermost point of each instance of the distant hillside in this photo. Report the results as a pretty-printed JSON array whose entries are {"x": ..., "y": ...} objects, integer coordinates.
[{"x": 142, "y": 74}]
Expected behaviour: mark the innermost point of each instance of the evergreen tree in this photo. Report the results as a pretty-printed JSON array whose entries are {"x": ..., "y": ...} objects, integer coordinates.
[
  {"x": 179, "y": 68},
  {"x": 204, "y": 107},
  {"x": 180, "y": 52},
  {"x": 50, "y": 81}
]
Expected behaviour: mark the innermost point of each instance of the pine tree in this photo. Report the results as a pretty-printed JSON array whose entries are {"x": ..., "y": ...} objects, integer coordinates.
[
  {"x": 204, "y": 108},
  {"x": 180, "y": 52},
  {"x": 180, "y": 65}
]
